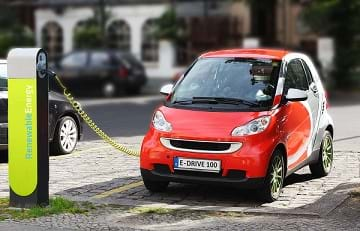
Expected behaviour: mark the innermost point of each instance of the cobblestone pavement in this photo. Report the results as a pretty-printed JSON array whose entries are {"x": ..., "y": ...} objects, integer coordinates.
[
  {"x": 109, "y": 218},
  {"x": 96, "y": 168},
  {"x": 98, "y": 173}
]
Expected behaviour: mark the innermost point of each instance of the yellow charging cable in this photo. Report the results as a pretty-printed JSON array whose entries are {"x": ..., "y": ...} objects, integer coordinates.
[{"x": 77, "y": 107}]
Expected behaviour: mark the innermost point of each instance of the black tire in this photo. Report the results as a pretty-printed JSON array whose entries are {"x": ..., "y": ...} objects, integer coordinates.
[
  {"x": 265, "y": 192},
  {"x": 155, "y": 186},
  {"x": 324, "y": 164},
  {"x": 134, "y": 90},
  {"x": 56, "y": 145}
]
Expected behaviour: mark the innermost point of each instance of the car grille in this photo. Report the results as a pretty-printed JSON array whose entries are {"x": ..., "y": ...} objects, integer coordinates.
[
  {"x": 3, "y": 135},
  {"x": 200, "y": 146}
]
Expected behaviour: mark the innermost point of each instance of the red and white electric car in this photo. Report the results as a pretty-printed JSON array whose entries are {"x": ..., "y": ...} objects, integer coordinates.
[{"x": 247, "y": 118}]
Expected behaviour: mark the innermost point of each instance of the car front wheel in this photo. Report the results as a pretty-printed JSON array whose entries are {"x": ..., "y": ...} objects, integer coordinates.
[
  {"x": 274, "y": 179},
  {"x": 65, "y": 136}
]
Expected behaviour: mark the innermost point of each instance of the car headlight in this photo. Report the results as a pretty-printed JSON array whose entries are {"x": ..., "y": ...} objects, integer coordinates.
[
  {"x": 160, "y": 122},
  {"x": 253, "y": 127}
]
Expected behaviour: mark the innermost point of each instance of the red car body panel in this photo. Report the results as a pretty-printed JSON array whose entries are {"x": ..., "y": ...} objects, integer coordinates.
[{"x": 253, "y": 157}]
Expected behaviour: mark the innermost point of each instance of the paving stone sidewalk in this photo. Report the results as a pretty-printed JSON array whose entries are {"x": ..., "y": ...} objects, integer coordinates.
[
  {"x": 344, "y": 217},
  {"x": 96, "y": 168}
]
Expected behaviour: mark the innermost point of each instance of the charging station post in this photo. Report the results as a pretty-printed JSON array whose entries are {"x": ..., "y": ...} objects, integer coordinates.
[{"x": 28, "y": 139}]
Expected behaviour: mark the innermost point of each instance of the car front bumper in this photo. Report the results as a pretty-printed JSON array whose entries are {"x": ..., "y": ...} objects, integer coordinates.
[
  {"x": 246, "y": 166},
  {"x": 234, "y": 181}
]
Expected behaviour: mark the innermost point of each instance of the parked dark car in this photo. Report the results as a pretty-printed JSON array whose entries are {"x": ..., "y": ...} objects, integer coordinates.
[
  {"x": 106, "y": 70},
  {"x": 65, "y": 126}
]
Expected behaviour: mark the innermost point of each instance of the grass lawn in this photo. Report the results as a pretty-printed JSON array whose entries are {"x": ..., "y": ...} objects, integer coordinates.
[{"x": 57, "y": 205}]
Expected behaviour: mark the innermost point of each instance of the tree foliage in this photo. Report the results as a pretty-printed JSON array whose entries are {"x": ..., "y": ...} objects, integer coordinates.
[
  {"x": 168, "y": 26},
  {"x": 339, "y": 19},
  {"x": 12, "y": 33},
  {"x": 89, "y": 33}
]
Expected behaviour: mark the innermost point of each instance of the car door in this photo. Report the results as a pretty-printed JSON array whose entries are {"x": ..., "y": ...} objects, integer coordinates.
[
  {"x": 72, "y": 66},
  {"x": 297, "y": 122},
  {"x": 314, "y": 103},
  {"x": 100, "y": 66}
]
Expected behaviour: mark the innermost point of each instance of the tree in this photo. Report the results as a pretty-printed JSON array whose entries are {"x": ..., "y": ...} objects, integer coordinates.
[
  {"x": 339, "y": 19},
  {"x": 168, "y": 26},
  {"x": 92, "y": 33},
  {"x": 12, "y": 33}
]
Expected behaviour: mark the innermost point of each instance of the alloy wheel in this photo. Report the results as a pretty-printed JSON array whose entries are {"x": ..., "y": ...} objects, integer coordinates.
[
  {"x": 68, "y": 135},
  {"x": 327, "y": 153},
  {"x": 276, "y": 176}
]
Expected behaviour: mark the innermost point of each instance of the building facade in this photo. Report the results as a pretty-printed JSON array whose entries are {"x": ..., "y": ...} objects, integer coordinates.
[{"x": 209, "y": 24}]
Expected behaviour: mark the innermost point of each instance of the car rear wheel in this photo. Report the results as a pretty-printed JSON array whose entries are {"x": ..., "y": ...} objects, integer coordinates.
[
  {"x": 65, "y": 136},
  {"x": 323, "y": 166},
  {"x": 274, "y": 179}
]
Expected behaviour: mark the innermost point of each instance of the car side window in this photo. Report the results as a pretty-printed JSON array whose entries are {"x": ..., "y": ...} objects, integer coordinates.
[
  {"x": 99, "y": 59},
  {"x": 295, "y": 76},
  {"x": 309, "y": 76},
  {"x": 74, "y": 60}
]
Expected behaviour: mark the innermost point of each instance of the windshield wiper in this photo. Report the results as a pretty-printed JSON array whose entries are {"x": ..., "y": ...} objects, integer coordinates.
[
  {"x": 225, "y": 100},
  {"x": 194, "y": 100},
  {"x": 216, "y": 100}
]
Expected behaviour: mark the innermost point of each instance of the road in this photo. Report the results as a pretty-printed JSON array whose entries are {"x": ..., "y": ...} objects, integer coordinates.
[
  {"x": 121, "y": 117},
  {"x": 126, "y": 117}
]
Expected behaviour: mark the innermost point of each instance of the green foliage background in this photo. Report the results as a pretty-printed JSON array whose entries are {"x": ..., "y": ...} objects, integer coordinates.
[
  {"x": 339, "y": 19},
  {"x": 12, "y": 33}
]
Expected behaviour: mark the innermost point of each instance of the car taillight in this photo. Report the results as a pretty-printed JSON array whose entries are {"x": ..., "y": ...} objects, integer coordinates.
[
  {"x": 123, "y": 72},
  {"x": 327, "y": 99}
]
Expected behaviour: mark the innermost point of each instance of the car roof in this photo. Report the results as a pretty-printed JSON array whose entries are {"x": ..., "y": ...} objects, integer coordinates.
[{"x": 275, "y": 54}]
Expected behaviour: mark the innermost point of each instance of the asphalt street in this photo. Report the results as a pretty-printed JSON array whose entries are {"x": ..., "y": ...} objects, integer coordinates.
[{"x": 130, "y": 116}]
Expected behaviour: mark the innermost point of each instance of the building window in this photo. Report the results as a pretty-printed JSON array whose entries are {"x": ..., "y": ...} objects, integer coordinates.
[
  {"x": 150, "y": 45},
  {"x": 52, "y": 40},
  {"x": 119, "y": 35}
]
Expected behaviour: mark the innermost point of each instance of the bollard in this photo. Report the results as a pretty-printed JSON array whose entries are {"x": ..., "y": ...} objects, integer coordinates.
[{"x": 28, "y": 127}]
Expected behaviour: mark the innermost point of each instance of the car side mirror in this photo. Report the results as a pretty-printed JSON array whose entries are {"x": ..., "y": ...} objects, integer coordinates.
[
  {"x": 166, "y": 90},
  {"x": 296, "y": 95}
]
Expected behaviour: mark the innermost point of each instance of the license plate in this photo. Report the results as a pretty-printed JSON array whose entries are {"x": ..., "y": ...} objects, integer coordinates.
[{"x": 197, "y": 164}]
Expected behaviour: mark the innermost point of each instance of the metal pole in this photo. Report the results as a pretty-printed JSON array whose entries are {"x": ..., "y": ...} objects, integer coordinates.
[{"x": 102, "y": 21}]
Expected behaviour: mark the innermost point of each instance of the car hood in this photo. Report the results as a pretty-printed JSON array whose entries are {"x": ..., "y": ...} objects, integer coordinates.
[{"x": 206, "y": 124}]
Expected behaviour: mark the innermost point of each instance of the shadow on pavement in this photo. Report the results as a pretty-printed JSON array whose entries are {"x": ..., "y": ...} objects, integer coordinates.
[
  {"x": 298, "y": 178},
  {"x": 184, "y": 194},
  {"x": 116, "y": 192}
]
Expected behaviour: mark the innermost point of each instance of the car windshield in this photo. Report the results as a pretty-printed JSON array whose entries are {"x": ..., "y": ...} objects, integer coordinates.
[
  {"x": 228, "y": 83},
  {"x": 3, "y": 77}
]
